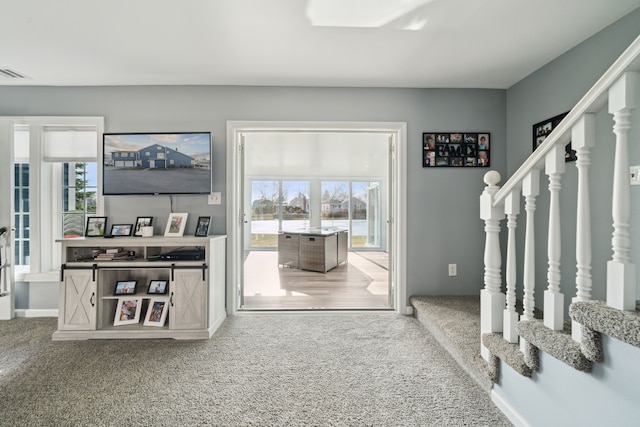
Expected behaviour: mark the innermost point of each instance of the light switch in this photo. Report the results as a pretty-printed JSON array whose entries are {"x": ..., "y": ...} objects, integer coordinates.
[{"x": 215, "y": 198}]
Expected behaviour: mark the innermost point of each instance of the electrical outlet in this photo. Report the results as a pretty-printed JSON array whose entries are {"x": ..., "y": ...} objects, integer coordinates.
[
  {"x": 634, "y": 175},
  {"x": 453, "y": 269},
  {"x": 215, "y": 198}
]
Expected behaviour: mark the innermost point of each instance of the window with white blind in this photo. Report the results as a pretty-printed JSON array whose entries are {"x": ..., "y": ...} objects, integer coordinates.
[{"x": 56, "y": 187}]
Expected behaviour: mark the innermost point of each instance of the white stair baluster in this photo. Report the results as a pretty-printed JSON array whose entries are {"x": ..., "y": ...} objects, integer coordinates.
[
  {"x": 582, "y": 140},
  {"x": 530, "y": 190},
  {"x": 511, "y": 317},
  {"x": 553, "y": 298},
  {"x": 621, "y": 273},
  {"x": 492, "y": 300}
]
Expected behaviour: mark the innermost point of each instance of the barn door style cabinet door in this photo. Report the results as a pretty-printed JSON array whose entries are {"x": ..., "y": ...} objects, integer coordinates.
[
  {"x": 191, "y": 305},
  {"x": 77, "y": 301}
]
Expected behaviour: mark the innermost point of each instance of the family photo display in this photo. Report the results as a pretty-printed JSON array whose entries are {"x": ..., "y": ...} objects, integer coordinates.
[{"x": 455, "y": 149}]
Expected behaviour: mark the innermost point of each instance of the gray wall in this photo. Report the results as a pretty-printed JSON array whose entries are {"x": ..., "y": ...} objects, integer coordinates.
[
  {"x": 557, "y": 394},
  {"x": 443, "y": 224}
]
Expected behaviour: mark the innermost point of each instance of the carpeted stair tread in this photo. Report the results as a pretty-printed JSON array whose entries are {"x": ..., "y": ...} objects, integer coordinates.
[
  {"x": 455, "y": 323},
  {"x": 507, "y": 352},
  {"x": 558, "y": 344},
  {"x": 597, "y": 316}
]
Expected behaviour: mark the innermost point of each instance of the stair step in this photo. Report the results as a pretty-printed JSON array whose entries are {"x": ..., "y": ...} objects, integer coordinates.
[
  {"x": 558, "y": 344},
  {"x": 507, "y": 352},
  {"x": 597, "y": 316}
]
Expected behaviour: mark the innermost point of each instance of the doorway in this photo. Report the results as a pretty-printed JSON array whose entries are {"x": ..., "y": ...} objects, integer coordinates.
[{"x": 320, "y": 176}]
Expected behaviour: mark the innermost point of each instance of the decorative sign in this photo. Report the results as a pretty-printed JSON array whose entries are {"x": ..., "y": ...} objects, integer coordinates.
[{"x": 455, "y": 149}]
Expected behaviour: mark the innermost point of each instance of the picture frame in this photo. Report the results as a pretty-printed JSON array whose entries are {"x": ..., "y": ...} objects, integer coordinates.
[
  {"x": 542, "y": 129},
  {"x": 142, "y": 221},
  {"x": 96, "y": 226},
  {"x": 156, "y": 312},
  {"x": 127, "y": 311},
  {"x": 202, "y": 228},
  {"x": 456, "y": 149},
  {"x": 121, "y": 230},
  {"x": 125, "y": 287},
  {"x": 176, "y": 224},
  {"x": 158, "y": 287}
]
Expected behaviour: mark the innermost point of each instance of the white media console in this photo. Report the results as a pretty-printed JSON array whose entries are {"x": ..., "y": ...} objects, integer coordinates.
[{"x": 195, "y": 298}]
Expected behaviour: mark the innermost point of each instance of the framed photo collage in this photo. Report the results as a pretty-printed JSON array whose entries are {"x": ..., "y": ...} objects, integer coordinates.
[{"x": 455, "y": 149}]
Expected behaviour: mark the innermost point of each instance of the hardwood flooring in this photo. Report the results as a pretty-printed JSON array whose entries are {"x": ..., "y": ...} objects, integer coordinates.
[{"x": 361, "y": 283}]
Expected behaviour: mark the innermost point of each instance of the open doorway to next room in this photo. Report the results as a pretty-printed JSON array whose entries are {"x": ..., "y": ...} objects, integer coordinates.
[{"x": 327, "y": 192}]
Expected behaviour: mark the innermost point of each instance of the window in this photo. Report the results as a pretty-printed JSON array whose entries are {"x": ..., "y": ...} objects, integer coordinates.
[
  {"x": 79, "y": 196},
  {"x": 55, "y": 188},
  {"x": 21, "y": 200}
]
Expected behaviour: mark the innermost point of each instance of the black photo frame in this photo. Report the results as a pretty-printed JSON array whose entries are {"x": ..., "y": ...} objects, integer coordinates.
[
  {"x": 142, "y": 221},
  {"x": 125, "y": 287},
  {"x": 202, "y": 227},
  {"x": 96, "y": 226},
  {"x": 456, "y": 149},
  {"x": 158, "y": 287},
  {"x": 542, "y": 129},
  {"x": 121, "y": 230}
]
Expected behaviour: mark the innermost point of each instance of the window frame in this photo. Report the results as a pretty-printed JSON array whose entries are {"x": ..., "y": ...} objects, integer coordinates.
[{"x": 45, "y": 195}]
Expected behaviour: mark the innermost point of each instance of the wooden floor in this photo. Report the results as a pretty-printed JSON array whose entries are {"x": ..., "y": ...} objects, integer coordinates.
[{"x": 361, "y": 283}]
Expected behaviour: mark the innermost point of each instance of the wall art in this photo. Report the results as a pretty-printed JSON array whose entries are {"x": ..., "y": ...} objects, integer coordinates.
[
  {"x": 543, "y": 129},
  {"x": 456, "y": 149}
]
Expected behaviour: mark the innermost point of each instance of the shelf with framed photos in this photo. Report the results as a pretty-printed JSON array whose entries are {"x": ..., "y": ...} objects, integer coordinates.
[{"x": 144, "y": 296}]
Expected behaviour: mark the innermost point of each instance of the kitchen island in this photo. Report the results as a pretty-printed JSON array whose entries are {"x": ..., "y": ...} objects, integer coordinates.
[{"x": 315, "y": 249}]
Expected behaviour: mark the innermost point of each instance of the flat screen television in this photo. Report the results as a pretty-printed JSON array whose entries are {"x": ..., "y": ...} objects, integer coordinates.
[{"x": 156, "y": 163}]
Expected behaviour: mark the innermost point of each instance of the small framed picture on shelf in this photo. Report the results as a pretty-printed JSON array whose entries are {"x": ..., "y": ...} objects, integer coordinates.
[
  {"x": 142, "y": 221},
  {"x": 121, "y": 230},
  {"x": 202, "y": 229},
  {"x": 159, "y": 287},
  {"x": 176, "y": 224},
  {"x": 125, "y": 287},
  {"x": 156, "y": 312},
  {"x": 96, "y": 226},
  {"x": 127, "y": 311}
]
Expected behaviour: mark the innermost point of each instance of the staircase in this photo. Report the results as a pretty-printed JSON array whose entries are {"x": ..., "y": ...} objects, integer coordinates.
[{"x": 574, "y": 336}]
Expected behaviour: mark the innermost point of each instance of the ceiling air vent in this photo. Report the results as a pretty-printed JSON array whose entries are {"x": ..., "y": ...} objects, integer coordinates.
[{"x": 8, "y": 73}]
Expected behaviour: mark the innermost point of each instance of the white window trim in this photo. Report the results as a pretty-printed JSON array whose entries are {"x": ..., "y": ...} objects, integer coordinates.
[{"x": 45, "y": 228}]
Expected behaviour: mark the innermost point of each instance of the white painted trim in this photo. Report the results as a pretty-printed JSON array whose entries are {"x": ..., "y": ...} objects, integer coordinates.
[
  {"x": 399, "y": 202},
  {"x": 36, "y": 312},
  {"x": 51, "y": 276},
  {"x": 508, "y": 410},
  {"x": 408, "y": 310}
]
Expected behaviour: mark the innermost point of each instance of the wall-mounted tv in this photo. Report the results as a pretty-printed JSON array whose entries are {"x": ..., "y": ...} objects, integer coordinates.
[{"x": 156, "y": 163}]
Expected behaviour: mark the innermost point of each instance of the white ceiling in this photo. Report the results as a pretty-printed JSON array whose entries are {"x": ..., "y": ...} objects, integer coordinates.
[{"x": 358, "y": 43}]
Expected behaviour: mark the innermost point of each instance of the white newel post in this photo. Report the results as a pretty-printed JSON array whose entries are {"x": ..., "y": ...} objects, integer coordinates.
[
  {"x": 553, "y": 298},
  {"x": 511, "y": 317},
  {"x": 492, "y": 300},
  {"x": 621, "y": 273},
  {"x": 582, "y": 140}
]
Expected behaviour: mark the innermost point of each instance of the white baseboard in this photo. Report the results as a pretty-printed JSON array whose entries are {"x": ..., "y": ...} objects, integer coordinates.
[
  {"x": 508, "y": 410},
  {"x": 37, "y": 312},
  {"x": 408, "y": 310}
]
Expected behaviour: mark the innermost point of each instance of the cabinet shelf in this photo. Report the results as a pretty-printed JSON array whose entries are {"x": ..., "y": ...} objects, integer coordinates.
[{"x": 196, "y": 289}]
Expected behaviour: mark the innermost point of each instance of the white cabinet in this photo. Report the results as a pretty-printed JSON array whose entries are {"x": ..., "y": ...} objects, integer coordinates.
[{"x": 195, "y": 294}]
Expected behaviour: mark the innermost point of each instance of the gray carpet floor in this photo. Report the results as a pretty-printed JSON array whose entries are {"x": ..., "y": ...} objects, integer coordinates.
[{"x": 318, "y": 369}]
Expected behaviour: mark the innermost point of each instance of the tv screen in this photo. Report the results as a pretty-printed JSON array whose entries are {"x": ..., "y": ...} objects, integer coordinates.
[{"x": 156, "y": 163}]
